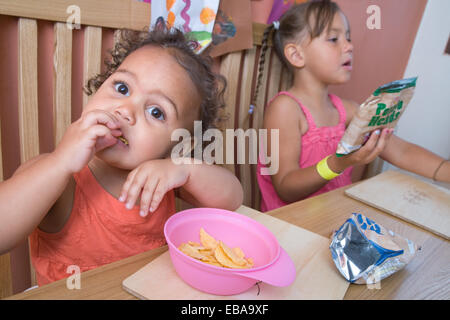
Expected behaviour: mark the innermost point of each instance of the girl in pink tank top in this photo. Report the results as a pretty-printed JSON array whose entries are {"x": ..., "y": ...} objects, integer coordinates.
[
  {"x": 312, "y": 40},
  {"x": 316, "y": 144}
]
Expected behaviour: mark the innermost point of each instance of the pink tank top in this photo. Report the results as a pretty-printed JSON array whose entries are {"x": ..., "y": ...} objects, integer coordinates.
[
  {"x": 99, "y": 231},
  {"x": 317, "y": 143}
]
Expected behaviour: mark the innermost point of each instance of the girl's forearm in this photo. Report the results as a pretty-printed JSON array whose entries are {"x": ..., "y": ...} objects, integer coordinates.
[
  {"x": 298, "y": 184},
  {"x": 442, "y": 171},
  {"x": 413, "y": 158},
  {"x": 26, "y": 198},
  {"x": 213, "y": 186},
  {"x": 423, "y": 162}
]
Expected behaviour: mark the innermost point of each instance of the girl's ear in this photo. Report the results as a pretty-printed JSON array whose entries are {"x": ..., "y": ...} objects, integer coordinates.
[{"x": 294, "y": 54}]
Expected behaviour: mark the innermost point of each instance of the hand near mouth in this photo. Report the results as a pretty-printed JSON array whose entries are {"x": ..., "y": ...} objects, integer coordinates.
[
  {"x": 107, "y": 140},
  {"x": 93, "y": 132}
]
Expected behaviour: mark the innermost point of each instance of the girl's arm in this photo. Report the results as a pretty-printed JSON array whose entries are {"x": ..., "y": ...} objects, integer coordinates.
[
  {"x": 202, "y": 185},
  {"x": 212, "y": 186},
  {"x": 413, "y": 158},
  {"x": 30, "y": 193},
  {"x": 291, "y": 182},
  {"x": 27, "y": 196}
]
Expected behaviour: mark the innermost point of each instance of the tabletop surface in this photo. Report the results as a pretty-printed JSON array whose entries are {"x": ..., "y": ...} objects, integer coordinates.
[{"x": 426, "y": 276}]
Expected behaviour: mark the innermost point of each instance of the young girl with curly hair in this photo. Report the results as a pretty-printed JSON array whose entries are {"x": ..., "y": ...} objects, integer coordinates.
[{"x": 107, "y": 189}]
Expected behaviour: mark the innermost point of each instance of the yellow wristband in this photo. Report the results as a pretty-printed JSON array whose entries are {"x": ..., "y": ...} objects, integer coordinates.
[{"x": 324, "y": 170}]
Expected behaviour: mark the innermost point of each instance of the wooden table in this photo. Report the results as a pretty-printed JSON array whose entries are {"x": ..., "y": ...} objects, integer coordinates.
[{"x": 427, "y": 276}]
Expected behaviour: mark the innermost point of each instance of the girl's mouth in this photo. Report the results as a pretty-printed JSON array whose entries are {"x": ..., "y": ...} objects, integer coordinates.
[
  {"x": 123, "y": 140},
  {"x": 347, "y": 65}
]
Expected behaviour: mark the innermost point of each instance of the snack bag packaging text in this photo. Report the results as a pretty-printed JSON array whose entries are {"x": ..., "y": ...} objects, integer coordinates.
[
  {"x": 381, "y": 110},
  {"x": 365, "y": 252}
]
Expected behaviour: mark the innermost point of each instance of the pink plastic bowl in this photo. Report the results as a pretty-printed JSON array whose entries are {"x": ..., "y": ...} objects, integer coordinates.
[{"x": 271, "y": 263}]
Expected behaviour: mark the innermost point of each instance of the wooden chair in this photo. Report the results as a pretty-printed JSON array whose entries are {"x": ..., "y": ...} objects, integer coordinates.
[
  {"x": 240, "y": 68},
  {"x": 95, "y": 17}
]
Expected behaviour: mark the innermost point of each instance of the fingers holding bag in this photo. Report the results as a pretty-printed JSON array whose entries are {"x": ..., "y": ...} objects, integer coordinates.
[
  {"x": 382, "y": 109},
  {"x": 373, "y": 147}
]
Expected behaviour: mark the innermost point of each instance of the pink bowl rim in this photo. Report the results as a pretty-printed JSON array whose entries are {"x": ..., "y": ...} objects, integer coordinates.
[{"x": 212, "y": 267}]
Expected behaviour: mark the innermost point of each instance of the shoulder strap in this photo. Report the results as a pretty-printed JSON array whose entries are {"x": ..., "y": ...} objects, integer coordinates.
[
  {"x": 337, "y": 102},
  {"x": 309, "y": 118}
]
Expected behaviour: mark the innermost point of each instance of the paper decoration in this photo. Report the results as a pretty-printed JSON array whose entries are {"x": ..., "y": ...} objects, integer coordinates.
[
  {"x": 194, "y": 17},
  {"x": 233, "y": 27}
]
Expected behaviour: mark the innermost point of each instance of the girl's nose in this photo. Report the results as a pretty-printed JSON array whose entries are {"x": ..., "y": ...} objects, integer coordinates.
[
  {"x": 125, "y": 113},
  {"x": 348, "y": 46}
]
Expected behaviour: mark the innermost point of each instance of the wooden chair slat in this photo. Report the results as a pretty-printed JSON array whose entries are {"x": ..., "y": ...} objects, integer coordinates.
[
  {"x": 5, "y": 276},
  {"x": 258, "y": 115},
  {"x": 28, "y": 99},
  {"x": 229, "y": 68},
  {"x": 92, "y": 55},
  {"x": 5, "y": 264},
  {"x": 62, "y": 67},
  {"x": 248, "y": 78},
  {"x": 246, "y": 87}
]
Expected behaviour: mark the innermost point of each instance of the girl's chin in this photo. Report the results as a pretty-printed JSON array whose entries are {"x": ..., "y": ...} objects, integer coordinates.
[
  {"x": 341, "y": 80},
  {"x": 114, "y": 160}
]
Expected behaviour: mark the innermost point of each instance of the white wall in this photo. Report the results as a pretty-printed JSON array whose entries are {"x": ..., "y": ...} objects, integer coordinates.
[{"x": 426, "y": 120}]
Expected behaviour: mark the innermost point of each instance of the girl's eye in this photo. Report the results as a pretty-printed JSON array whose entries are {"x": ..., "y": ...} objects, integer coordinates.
[
  {"x": 121, "y": 88},
  {"x": 333, "y": 39},
  {"x": 156, "y": 113}
]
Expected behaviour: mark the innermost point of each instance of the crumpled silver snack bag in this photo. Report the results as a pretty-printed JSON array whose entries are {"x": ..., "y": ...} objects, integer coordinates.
[{"x": 365, "y": 253}]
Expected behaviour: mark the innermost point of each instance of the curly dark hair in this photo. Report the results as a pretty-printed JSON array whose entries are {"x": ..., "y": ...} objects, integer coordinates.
[{"x": 210, "y": 86}]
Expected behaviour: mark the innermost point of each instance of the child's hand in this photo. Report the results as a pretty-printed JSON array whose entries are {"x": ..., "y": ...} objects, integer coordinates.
[
  {"x": 94, "y": 131},
  {"x": 151, "y": 180},
  {"x": 372, "y": 148},
  {"x": 366, "y": 154}
]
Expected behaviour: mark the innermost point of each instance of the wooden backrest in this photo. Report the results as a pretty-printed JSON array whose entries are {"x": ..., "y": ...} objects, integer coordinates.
[
  {"x": 94, "y": 15},
  {"x": 240, "y": 68},
  {"x": 97, "y": 16}
]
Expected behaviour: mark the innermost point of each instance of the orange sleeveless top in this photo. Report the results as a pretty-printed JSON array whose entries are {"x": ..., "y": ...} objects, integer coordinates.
[{"x": 100, "y": 230}]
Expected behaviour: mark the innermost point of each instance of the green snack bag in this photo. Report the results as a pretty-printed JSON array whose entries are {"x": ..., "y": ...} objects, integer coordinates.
[{"x": 381, "y": 110}]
